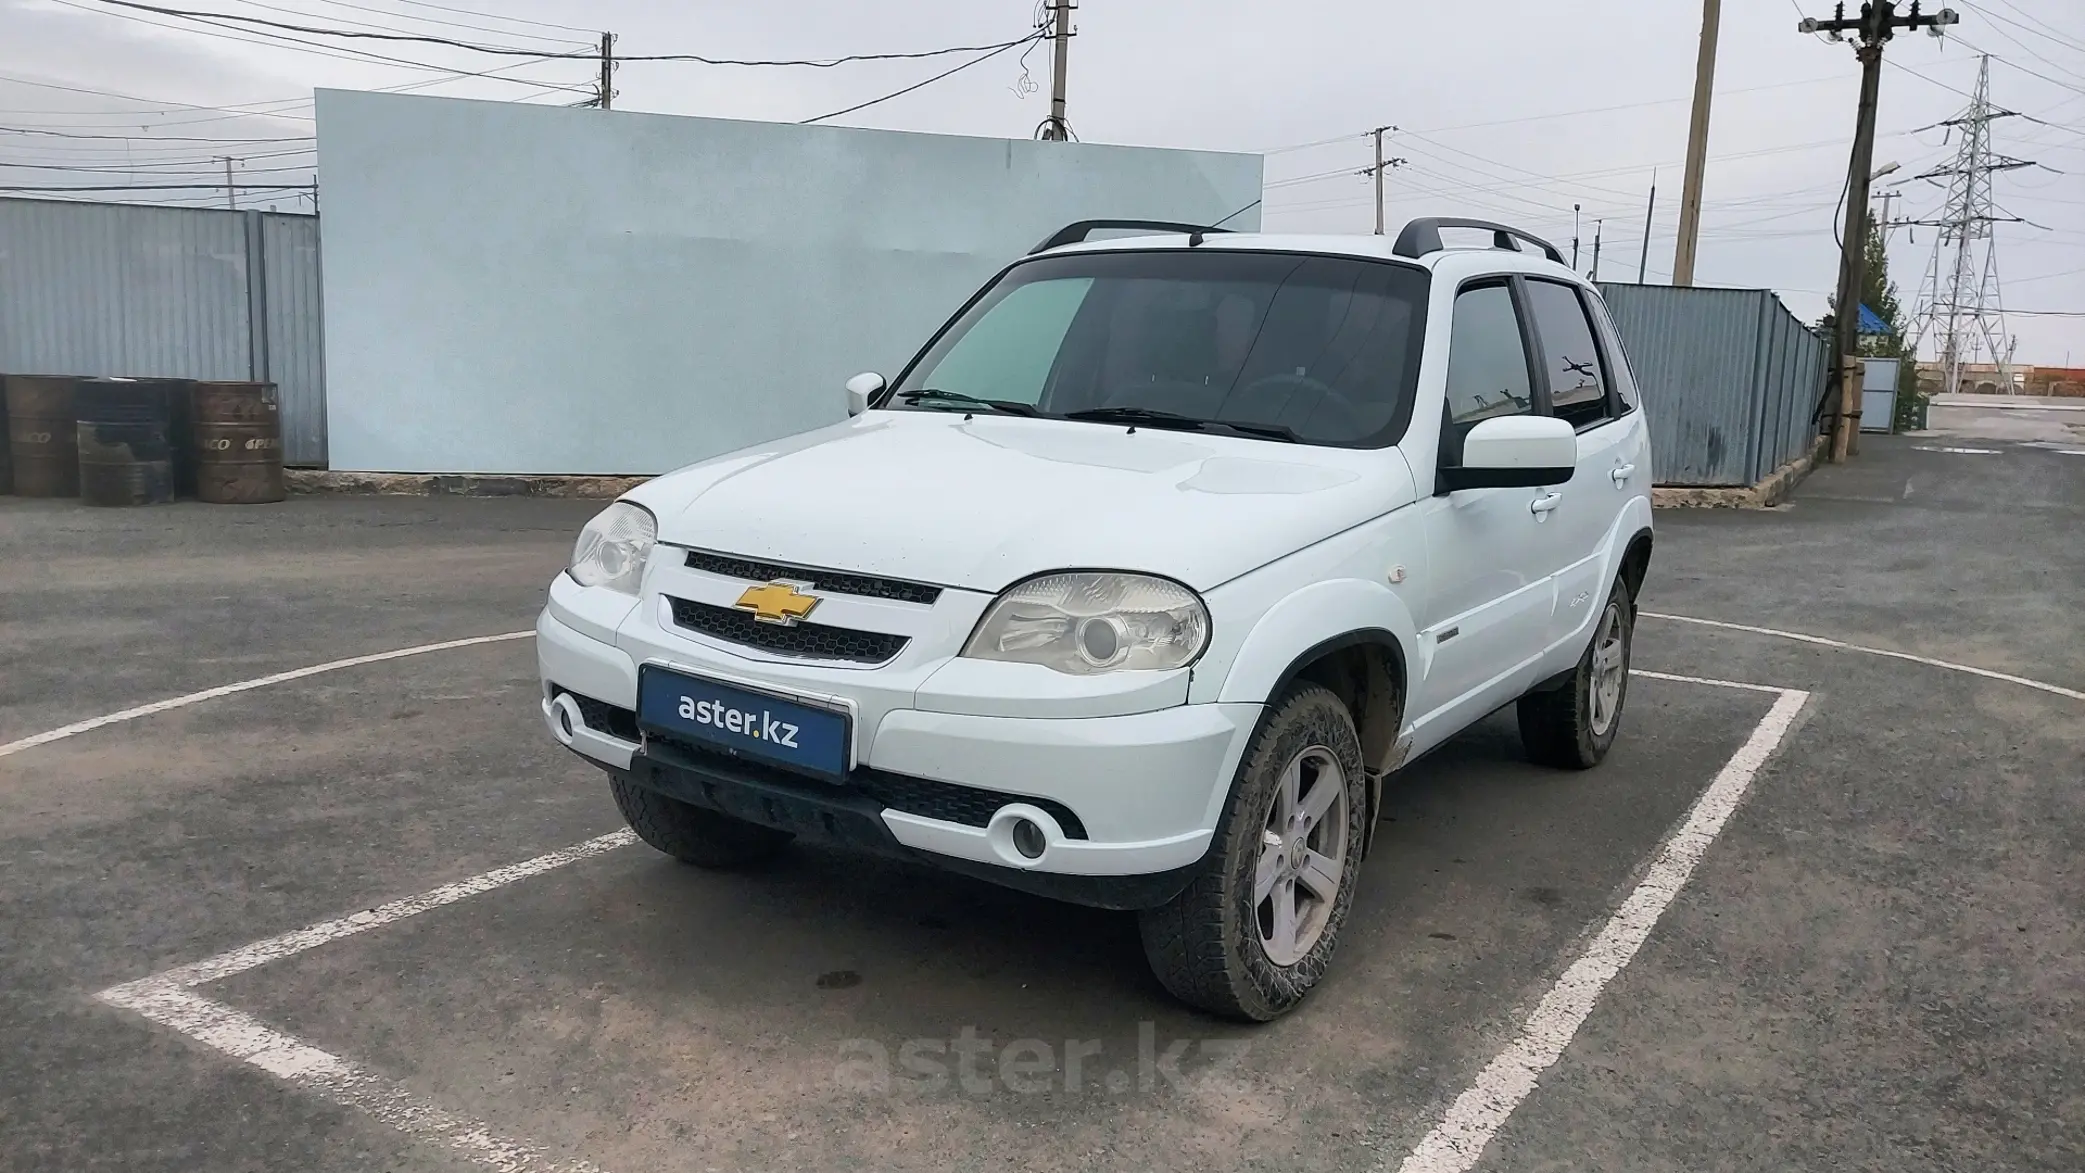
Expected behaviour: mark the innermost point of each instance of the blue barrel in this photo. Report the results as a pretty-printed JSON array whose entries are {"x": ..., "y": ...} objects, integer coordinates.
[{"x": 125, "y": 438}]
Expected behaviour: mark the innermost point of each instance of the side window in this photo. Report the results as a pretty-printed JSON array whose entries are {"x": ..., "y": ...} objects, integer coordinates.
[
  {"x": 1487, "y": 365},
  {"x": 1577, "y": 385},
  {"x": 1618, "y": 367}
]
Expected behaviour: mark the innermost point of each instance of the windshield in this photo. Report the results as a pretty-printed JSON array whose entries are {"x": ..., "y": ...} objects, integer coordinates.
[{"x": 1325, "y": 349}]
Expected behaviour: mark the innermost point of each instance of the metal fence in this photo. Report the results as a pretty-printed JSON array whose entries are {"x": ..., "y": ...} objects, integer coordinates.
[
  {"x": 183, "y": 293},
  {"x": 1730, "y": 378}
]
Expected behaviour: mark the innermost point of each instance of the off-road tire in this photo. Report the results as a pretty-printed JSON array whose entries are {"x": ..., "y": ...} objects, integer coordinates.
[
  {"x": 1557, "y": 726},
  {"x": 1204, "y": 945},
  {"x": 692, "y": 834}
]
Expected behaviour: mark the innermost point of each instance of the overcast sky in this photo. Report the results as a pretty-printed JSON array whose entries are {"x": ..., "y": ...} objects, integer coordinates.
[{"x": 1517, "y": 111}]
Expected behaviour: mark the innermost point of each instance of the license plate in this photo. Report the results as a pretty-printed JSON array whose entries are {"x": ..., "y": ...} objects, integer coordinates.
[{"x": 741, "y": 721}]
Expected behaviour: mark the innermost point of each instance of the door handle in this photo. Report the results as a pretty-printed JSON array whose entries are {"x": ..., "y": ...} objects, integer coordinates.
[
  {"x": 1621, "y": 474},
  {"x": 1541, "y": 506}
]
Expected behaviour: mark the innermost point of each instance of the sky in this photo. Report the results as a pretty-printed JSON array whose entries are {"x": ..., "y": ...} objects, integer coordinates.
[{"x": 1555, "y": 117}]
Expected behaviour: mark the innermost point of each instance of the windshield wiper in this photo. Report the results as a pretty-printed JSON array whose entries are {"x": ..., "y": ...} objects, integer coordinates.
[
  {"x": 1152, "y": 417},
  {"x": 1008, "y": 406}
]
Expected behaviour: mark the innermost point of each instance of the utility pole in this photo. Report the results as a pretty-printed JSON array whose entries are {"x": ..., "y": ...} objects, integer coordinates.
[
  {"x": 1877, "y": 23},
  {"x": 604, "y": 95},
  {"x": 1597, "y": 226},
  {"x": 1643, "y": 259},
  {"x": 1885, "y": 223},
  {"x": 1697, "y": 145},
  {"x": 1381, "y": 165},
  {"x": 1056, "y": 128},
  {"x": 231, "y": 198}
]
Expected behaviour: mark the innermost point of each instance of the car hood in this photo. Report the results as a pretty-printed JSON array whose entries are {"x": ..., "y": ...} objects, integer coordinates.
[{"x": 983, "y": 502}]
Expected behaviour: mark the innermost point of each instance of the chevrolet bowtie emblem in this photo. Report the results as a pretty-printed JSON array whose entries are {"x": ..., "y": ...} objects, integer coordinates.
[{"x": 777, "y": 602}]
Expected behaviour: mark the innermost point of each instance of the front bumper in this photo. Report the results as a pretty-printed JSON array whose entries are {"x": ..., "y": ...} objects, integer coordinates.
[{"x": 1115, "y": 796}]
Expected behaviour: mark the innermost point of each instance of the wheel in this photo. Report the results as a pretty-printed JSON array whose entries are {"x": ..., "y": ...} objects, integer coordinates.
[
  {"x": 1573, "y": 726},
  {"x": 1255, "y": 930},
  {"x": 692, "y": 834}
]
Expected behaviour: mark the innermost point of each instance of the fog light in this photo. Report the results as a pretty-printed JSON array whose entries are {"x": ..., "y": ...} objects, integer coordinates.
[
  {"x": 567, "y": 719},
  {"x": 1028, "y": 839}
]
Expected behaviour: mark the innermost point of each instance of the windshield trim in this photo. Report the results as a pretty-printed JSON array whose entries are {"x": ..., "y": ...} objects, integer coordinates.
[{"x": 1391, "y": 434}]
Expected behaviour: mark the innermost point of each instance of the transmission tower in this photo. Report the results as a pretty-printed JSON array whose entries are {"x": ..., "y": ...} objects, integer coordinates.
[{"x": 1958, "y": 304}]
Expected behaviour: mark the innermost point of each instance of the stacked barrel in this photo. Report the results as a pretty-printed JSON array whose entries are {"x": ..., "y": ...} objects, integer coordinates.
[
  {"x": 115, "y": 442},
  {"x": 124, "y": 430},
  {"x": 238, "y": 443},
  {"x": 40, "y": 425}
]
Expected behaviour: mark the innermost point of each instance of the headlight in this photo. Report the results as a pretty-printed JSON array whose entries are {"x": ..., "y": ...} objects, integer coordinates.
[
  {"x": 1084, "y": 623},
  {"x": 613, "y": 546}
]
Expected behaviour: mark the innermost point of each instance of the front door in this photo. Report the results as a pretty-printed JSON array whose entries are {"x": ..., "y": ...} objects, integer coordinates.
[{"x": 1491, "y": 553}]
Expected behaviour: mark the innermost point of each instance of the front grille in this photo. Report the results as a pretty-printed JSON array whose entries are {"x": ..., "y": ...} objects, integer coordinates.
[
  {"x": 970, "y": 806},
  {"x": 602, "y": 717},
  {"x": 836, "y": 582},
  {"x": 811, "y": 640}
]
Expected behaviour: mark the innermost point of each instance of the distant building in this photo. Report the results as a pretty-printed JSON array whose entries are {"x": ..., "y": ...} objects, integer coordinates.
[{"x": 1986, "y": 379}]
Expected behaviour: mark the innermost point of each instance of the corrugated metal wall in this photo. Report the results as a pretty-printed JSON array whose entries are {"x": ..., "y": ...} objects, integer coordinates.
[
  {"x": 1729, "y": 376},
  {"x": 295, "y": 334},
  {"x": 186, "y": 293}
]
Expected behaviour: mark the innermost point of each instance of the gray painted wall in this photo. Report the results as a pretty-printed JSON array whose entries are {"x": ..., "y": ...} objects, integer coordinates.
[
  {"x": 183, "y": 293},
  {"x": 529, "y": 289}
]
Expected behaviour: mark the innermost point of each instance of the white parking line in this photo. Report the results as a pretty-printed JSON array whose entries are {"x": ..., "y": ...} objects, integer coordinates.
[
  {"x": 1843, "y": 646},
  {"x": 168, "y": 998},
  {"x": 1477, "y": 1114},
  {"x": 177, "y": 702}
]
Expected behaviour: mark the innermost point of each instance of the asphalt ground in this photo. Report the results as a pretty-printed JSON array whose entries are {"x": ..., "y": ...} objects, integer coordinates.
[{"x": 1879, "y": 963}]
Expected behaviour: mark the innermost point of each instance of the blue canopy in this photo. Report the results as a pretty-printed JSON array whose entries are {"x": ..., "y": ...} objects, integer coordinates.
[{"x": 1872, "y": 323}]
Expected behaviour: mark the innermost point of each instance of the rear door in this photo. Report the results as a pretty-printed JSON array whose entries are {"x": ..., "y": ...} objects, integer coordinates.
[{"x": 1612, "y": 459}]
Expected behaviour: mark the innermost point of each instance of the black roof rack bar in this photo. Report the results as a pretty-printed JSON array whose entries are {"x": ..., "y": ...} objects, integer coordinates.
[
  {"x": 1423, "y": 236},
  {"x": 1081, "y": 230}
]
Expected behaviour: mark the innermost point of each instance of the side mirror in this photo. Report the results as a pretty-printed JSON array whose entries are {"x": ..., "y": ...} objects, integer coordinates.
[
  {"x": 1514, "y": 452},
  {"x": 859, "y": 389}
]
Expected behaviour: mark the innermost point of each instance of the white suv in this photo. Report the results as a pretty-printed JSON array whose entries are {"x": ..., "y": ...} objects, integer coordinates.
[{"x": 1136, "y": 584}]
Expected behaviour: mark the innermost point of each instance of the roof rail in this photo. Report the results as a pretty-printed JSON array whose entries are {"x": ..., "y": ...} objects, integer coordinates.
[
  {"x": 1423, "y": 236},
  {"x": 1080, "y": 230}
]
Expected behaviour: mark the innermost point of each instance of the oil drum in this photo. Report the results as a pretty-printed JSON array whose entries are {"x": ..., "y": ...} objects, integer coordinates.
[
  {"x": 125, "y": 454},
  {"x": 40, "y": 435},
  {"x": 238, "y": 443}
]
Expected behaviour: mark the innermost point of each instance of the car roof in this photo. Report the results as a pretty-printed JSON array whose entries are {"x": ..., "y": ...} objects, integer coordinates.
[{"x": 1453, "y": 261}]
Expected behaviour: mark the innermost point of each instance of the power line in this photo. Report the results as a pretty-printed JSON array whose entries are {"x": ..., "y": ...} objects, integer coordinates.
[
  {"x": 1034, "y": 36},
  {"x": 829, "y": 62},
  {"x": 221, "y": 18},
  {"x": 2072, "y": 86},
  {"x": 141, "y": 187},
  {"x": 176, "y": 107},
  {"x": 395, "y": 15},
  {"x": 277, "y": 40},
  {"x": 170, "y": 167},
  {"x": 170, "y": 138},
  {"x": 517, "y": 51},
  {"x": 490, "y": 16},
  {"x": 2045, "y": 32}
]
